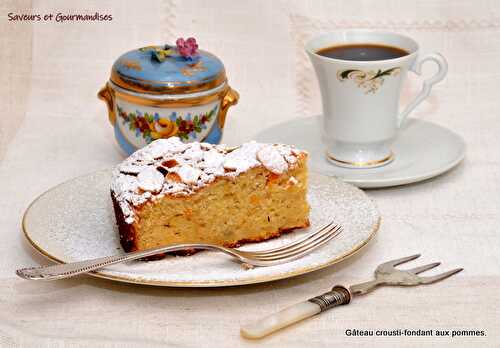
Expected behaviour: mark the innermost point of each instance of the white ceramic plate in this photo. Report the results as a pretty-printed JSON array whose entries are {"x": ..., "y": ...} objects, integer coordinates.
[
  {"x": 75, "y": 221},
  {"x": 422, "y": 150}
]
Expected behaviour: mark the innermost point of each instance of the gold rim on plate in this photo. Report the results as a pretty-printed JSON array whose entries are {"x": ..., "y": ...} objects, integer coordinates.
[{"x": 255, "y": 280}]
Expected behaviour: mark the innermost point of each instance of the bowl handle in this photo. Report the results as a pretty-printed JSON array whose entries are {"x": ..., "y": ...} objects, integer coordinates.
[
  {"x": 106, "y": 94},
  {"x": 230, "y": 98}
]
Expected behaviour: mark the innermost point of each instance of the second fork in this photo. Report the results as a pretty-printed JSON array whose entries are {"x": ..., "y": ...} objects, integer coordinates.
[{"x": 385, "y": 274}]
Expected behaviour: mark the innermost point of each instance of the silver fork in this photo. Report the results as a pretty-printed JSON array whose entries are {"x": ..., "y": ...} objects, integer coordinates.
[
  {"x": 269, "y": 257},
  {"x": 385, "y": 274}
]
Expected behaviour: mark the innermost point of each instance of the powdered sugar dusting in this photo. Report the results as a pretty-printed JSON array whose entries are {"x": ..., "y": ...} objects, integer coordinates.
[
  {"x": 188, "y": 174},
  {"x": 171, "y": 167},
  {"x": 150, "y": 179},
  {"x": 243, "y": 158},
  {"x": 272, "y": 159}
]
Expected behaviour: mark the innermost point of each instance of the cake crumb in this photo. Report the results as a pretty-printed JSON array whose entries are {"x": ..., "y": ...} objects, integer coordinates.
[{"x": 247, "y": 266}]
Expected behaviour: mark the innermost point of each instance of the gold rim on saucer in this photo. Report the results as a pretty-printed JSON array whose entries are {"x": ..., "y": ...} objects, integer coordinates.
[{"x": 371, "y": 164}]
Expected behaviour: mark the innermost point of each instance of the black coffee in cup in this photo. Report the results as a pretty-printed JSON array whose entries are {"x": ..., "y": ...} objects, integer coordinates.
[{"x": 362, "y": 52}]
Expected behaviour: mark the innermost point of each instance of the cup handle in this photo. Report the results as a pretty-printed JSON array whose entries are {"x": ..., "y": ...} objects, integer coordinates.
[
  {"x": 106, "y": 95},
  {"x": 428, "y": 83}
]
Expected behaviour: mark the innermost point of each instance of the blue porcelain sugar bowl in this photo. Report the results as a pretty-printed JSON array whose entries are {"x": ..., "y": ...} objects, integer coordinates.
[{"x": 162, "y": 91}]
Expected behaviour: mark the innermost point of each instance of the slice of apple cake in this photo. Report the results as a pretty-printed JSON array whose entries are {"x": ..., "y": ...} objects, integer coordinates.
[{"x": 172, "y": 192}]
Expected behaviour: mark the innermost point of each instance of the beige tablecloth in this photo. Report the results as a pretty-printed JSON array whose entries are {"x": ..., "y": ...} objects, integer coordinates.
[{"x": 53, "y": 128}]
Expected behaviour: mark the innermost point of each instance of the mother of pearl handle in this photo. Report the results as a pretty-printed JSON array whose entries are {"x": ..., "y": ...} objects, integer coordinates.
[
  {"x": 279, "y": 320},
  {"x": 339, "y": 295}
]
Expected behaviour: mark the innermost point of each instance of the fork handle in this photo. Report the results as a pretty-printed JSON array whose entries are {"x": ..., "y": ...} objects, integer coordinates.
[
  {"x": 67, "y": 270},
  {"x": 339, "y": 295}
]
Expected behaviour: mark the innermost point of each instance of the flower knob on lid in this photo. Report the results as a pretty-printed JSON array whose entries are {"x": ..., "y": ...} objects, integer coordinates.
[{"x": 187, "y": 48}]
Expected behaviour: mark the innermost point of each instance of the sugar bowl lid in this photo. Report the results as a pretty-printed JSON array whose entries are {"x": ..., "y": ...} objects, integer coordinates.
[{"x": 179, "y": 69}]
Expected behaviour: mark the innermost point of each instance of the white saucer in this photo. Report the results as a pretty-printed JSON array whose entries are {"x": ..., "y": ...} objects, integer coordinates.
[{"x": 422, "y": 150}]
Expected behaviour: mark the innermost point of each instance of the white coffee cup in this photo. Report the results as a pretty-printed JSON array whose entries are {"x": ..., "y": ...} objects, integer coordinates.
[{"x": 361, "y": 98}]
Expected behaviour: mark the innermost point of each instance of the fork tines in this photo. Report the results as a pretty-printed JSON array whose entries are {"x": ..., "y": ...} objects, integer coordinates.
[
  {"x": 389, "y": 266},
  {"x": 300, "y": 247}
]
